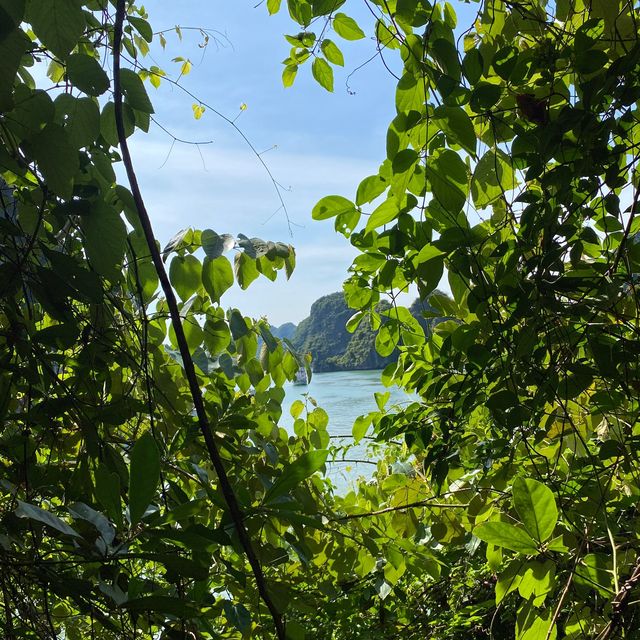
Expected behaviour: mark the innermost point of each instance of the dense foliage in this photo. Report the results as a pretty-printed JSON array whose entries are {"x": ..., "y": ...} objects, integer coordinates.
[
  {"x": 512, "y": 163},
  {"x": 147, "y": 487}
]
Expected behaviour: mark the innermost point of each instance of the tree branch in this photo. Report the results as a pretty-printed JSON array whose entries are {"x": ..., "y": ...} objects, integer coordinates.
[{"x": 189, "y": 369}]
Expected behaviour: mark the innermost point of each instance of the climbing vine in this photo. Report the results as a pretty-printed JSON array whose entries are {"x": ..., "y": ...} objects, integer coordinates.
[
  {"x": 147, "y": 485},
  {"x": 511, "y": 171}
]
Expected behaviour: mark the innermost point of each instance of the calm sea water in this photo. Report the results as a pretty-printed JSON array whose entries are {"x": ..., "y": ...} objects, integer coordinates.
[{"x": 344, "y": 395}]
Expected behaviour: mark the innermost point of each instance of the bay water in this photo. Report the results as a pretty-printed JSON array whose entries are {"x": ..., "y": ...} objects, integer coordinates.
[{"x": 344, "y": 395}]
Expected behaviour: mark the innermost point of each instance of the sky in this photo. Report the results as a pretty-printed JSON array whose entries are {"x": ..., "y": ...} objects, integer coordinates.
[{"x": 314, "y": 143}]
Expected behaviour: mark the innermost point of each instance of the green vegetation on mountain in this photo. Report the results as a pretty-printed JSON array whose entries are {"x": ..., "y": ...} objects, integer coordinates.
[
  {"x": 284, "y": 331},
  {"x": 324, "y": 334}
]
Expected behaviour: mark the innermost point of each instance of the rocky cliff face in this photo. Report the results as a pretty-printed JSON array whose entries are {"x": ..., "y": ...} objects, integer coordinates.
[{"x": 325, "y": 336}]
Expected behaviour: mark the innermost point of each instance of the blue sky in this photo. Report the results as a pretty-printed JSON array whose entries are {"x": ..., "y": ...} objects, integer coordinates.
[{"x": 324, "y": 143}]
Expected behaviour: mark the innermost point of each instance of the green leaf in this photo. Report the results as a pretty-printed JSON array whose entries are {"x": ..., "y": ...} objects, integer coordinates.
[
  {"x": 331, "y": 52},
  {"x": 370, "y": 188},
  {"x": 12, "y": 47},
  {"x": 217, "y": 276},
  {"x": 237, "y": 324},
  {"x": 11, "y": 15},
  {"x": 142, "y": 27},
  {"x": 387, "y": 339},
  {"x": 80, "y": 119},
  {"x": 506, "y": 535},
  {"x": 245, "y": 269},
  {"x": 323, "y": 73},
  {"x": 448, "y": 178},
  {"x": 295, "y": 631},
  {"x": 86, "y": 74},
  {"x": 331, "y": 206},
  {"x": 57, "y": 159},
  {"x": 134, "y": 91},
  {"x": 325, "y": 7},
  {"x": 538, "y": 579},
  {"x": 144, "y": 476},
  {"x": 289, "y": 74},
  {"x": 216, "y": 335},
  {"x": 57, "y": 23},
  {"x": 509, "y": 580},
  {"x": 107, "y": 489},
  {"x": 185, "y": 274},
  {"x": 81, "y": 511},
  {"x": 472, "y": 66},
  {"x": 535, "y": 624},
  {"x": 293, "y": 474},
  {"x": 411, "y": 94},
  {"x": 25, "y": 510},
  {"x": 105, "y": 237},
  {"x": 347, "y": 27},
  {"x": 383, "y": 214},
  {"x": 273, "y": 6},
  {"x": 492, "y": 177},
  {"x": 108, "y": 123},
  {"x": 484, "y": 96},
  {"x": 238, "y": 616},
  {"x": 536, "y": 507},
  {"x": 360, "y": 427},
  {"x": 446, "y": 54},
  {"x": 458, "y": 127}
]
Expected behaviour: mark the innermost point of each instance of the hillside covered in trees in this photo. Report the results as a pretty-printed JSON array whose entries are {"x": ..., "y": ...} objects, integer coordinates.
[{"x": 325, "y": 335}]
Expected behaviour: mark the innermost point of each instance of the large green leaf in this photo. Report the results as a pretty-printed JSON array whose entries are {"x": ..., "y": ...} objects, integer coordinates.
[
  {"x": 134, "y": 91},
  {"x": 185, "y": 273},
  {"x": 370, "y": 188},
  {"x": 56, "y": 158},
  {"x": 383, "y": 214},
  {"x": 107, "y": 490},
  {"x": 105, "y": 237},
  {"x": 323, "y": 73},
  {"x": 448, "y": 178},
  {"x": 331, "y": 206},
  {"x": 293, "y": 474},
  {"x": 506, "y": 535},
  {"x": 32, "y": 512},
  {"x": 86, "y": 74},
  {"x": 347, "y": 27},
  {"x": 245, "y": 269},
  {"x": 455, "y": 122},
  {"x": 493, "y": 177},
  {"x": 108, "y": 127},
  {"x": 144, "y": 476},
  {"x": 536, "y": 507},
  {"x": 215, "y": 245},
  {"x": 58, "y": 23},
  {"x": 12, "y": 47},
  {"x": 80, "y": 119},
  {"x": 217, "y": 276},
  {"x": 411, "y": 93}
]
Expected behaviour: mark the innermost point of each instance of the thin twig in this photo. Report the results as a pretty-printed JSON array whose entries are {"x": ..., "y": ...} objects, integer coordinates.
[{"x": 420, "y": 503}]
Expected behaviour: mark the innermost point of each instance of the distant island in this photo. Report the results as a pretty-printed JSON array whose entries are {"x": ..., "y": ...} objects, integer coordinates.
[{"x": 324, "y": 335}]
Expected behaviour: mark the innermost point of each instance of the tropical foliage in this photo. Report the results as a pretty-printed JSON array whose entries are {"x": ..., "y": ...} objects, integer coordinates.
[{"x": 148, "y": 487}]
